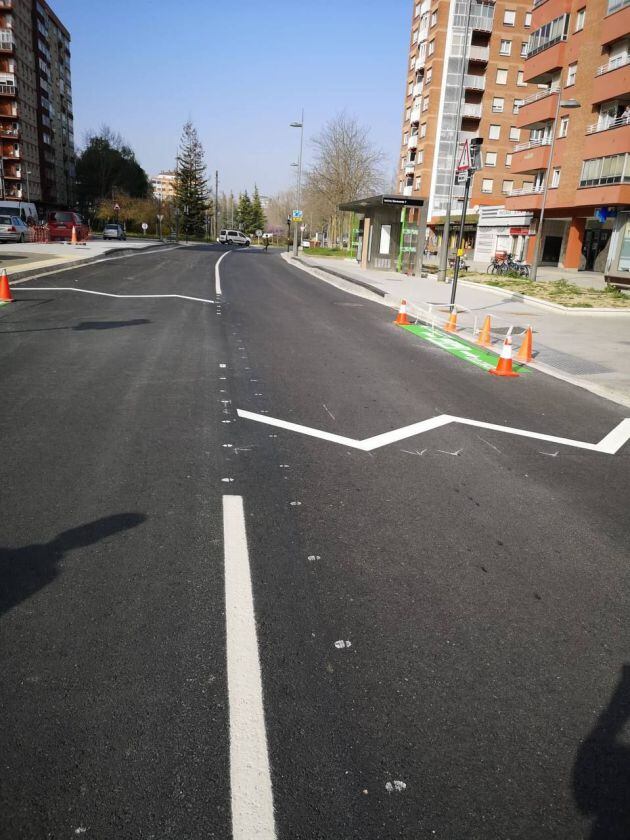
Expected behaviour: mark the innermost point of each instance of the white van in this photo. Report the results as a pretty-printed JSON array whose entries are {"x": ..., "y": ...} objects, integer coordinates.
[
  {"x": 234, "y": 237},
  {"x": 23, "y": 209}
]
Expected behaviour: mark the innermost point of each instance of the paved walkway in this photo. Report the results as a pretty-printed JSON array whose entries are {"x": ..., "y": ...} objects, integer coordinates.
[{"x": 588, "y": 348}]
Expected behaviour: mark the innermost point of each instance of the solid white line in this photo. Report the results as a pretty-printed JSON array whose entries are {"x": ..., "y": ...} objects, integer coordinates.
[
  {"x": 250, "y": 776},
  {"x": 609, "y": 445},
  {"x": 107, "y": 294},
  {"x": 217, "y": 275},
  {"x": 73, "y": 266}
]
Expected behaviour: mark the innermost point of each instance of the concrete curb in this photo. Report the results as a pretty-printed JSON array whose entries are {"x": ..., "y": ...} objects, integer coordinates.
[
  {"x": 353, "y": 287},
  {"x": 112, "y": 253}
]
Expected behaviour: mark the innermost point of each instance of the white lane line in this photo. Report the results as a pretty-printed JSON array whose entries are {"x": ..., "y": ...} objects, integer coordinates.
[
  {"x": 609, "y": 445},
  {"x": 217, "y": 274},
  {"x": 250, "y": 776},
  {"x": 138, "y": 253},
  {"x": 107, "y": 294}
]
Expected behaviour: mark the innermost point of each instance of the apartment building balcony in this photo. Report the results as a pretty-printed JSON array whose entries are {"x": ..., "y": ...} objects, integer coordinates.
[
  {"x": 540, "y": 66},
  {"x": 13, "y": 192},
  {"x": 6, "y": 5},
  {"x": 8, "y": 90},
  {"x": 13, "y": 174},
  {"x": 410, "y": 168},
  {"x": 7, "y": 43},
  {"x": 11, "y": 154},
  {"x": 408, "y": 190},
  {"x": 471, "y": 110},
  {"x": 616, "y": 24},
  {"x": 414, "y": 117},
  {"x": 524, "y": 199},
  {"x": 612, "y": 138},
  {"x": 417, "y": 89},
  {"x": 530, "y": 157},
  {"x": 612, "y": 80},
  {"x": 545, "y": 11},
  {"x": 420, "y": 62},
  {"x": 9, "y": 133},
  {"x": 479, "y": 54},
  {"x": 538, "y": 108},
  {"x": 412, "y": 142},
  {"x": 480, "y": 21},
  {"x": 474, "y": 82},
  {"x": 605, "y": 194}
]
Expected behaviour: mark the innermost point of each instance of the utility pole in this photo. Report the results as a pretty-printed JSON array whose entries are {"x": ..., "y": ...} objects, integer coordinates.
[
  {"x": 296, "y": 226},
  {"x": 458, "y": 119},
  {"x": 216, "y": 203}
]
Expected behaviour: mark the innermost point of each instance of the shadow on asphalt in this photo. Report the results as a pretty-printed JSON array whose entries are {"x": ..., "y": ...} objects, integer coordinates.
[
  {"x": 601, "y": 773},
  {"x": 24, "y": 571},
  {"x": 86, "y": 325}
]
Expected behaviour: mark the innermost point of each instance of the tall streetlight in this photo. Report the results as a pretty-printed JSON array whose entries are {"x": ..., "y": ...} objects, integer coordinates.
[
  {"x": 562, "y": 103},
  {"x": 299, "y": 125}
]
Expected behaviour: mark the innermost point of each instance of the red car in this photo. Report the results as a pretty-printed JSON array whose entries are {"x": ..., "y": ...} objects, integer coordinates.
[{"x": 61, "y": 222}]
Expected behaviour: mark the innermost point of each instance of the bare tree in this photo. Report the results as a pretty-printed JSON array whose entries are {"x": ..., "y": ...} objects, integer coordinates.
[{"x": 347, "y": 165}]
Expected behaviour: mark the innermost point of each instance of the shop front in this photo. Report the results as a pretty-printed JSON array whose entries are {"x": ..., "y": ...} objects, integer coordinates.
[{"x": 617, "y": 270}]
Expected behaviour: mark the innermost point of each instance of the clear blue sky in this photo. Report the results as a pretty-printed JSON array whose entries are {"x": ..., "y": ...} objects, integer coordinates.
[{"x": 241, "y": 71}]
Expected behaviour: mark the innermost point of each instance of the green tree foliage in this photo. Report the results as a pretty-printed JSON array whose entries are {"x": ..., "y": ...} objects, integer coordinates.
[
  {"x": 259, "y": 222},
  {"x": 245, "y": 215},
  {"x": 105, "y": 165},
  {"x": 191, "y": 189}
]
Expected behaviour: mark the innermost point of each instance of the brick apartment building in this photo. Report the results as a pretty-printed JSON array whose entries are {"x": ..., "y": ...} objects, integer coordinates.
[
  {"x": 580, "y": 51},
  {"x": 163, "y": 185},
  {"x": 494, "y": 87},
  {"x": 36, "y": 119}
]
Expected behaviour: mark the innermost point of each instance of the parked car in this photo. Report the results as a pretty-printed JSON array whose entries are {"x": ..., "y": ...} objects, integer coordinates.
[
  {"x": 114, "y": 232},
  {"x": 234, "y": 237},
  {"x": 61, "y": 222},
  {"x": 13, "y": 229}
]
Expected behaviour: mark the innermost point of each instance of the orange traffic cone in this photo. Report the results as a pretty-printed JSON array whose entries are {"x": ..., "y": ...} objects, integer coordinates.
[
  {"x": 504, "y": 366},
  {"x": 73, "y": 238},
  {"x": 451, "y": 324},
  {"x": 401, "y": 318},
  {"x": 5, "y": 289},
  {"x": 525, "y": 350},
  {"x": 484, "y": 339}
]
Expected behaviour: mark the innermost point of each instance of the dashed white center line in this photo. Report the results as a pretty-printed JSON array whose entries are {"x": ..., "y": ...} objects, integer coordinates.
[{"x": 250, "y": 776}]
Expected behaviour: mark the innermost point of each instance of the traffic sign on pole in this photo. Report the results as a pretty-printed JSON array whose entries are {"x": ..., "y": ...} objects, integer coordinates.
[{"x": 298, "y": 215}]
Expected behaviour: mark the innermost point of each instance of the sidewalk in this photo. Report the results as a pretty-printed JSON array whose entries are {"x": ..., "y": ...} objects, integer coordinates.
[
  {"x": 590, "y": 350},
  {"x": 23, "y": 260}
]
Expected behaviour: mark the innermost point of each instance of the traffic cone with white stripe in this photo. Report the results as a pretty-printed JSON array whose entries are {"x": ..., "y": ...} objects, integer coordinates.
[
  {"x": 401, "y": 318},
  {"x": 73, "y": 238},
  {"x": 504, "y": 366},
  {"x": 5, "y": 289}
]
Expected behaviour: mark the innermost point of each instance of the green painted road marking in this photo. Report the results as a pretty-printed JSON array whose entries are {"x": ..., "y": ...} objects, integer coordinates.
[{"x": 468, "y": 352}]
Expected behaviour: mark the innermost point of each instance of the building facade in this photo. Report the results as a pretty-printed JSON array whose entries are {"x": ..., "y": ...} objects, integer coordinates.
[
  {"x": 486, "y": 42},
  {"x": 36, "y": 117},
  {"x": 164, "y": 186},
  {"x": 577, "y": 159}
]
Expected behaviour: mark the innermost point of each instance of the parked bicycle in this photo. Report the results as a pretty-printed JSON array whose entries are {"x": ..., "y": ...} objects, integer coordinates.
[{"x": 506, "y": 264}]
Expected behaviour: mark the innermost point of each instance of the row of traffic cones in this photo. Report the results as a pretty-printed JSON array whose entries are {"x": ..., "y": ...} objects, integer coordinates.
[{"x": 504, "y": 365}]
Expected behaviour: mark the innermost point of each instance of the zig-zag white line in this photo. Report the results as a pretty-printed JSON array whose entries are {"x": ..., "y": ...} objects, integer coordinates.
[
  {"x": 106, "y": 294},
  {"x": 609, "y": 445}
]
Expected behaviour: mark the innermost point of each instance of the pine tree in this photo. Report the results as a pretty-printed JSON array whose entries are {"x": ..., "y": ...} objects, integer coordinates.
[
  {"x": 191, "y": 188},
  {"x": 245, "y": 213},
  {"x": 259, "y": 222}
]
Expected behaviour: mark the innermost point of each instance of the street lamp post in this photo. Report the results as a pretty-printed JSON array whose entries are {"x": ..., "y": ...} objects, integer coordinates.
[
  {"x": 567, "y": 103},
  {"x": 288, "y": 232},
  {"x": 299, "y": 125}
]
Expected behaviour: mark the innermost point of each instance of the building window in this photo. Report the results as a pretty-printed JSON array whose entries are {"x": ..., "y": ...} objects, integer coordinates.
[
  {"x": 555, "y": 177},
  {"x": 432, "y": 47},
  {"x": 515, "y": 133},
  {"x": 418, "y": 182},
  {"x": 407, "y": 113},
  {"x": 420, "y": 156},
  {"x": 505, "y": 48},
  {"x": 405, "y": 137},
  {"x": 508, "y": 159},
  {"x": 494, "y": 132},
  {"x": 425, "y": 103},
  {"x": 579, "y": 19},
  {"x": 423, "y": 130},
  {"x": 507, "y": 187},
  {"x": 516, "y": 105},
  {"x": 428, "y": 76},
  {"x": 571, "y": 74},
  {"x": 433, "y": 18},
  {"x": 417, "y": 10},
  {"x": 509, "y": 17},
  {"x": 486, "y": 185},
  {"x": 528, "y": 19},
  {"x": 614, "y": 169},
  {"x": 519, "y": 79},
  {"x": 564, "y": 127},
  {"x": 502, "y": 76},
  {"x": 548, "y": 35},
  {"x": 524, "y": 49},
  {"x": 491, "y": 159},
  {"x": 497, "y": 104},
  {"x": 409, "y": 88}
]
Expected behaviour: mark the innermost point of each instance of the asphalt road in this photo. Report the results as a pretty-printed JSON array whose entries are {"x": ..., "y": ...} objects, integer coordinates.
[{"x": 442, "y": 623}]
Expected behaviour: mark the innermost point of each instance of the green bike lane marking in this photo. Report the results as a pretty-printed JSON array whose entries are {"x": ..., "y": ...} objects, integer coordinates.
[{"x": 469, "y": 353}]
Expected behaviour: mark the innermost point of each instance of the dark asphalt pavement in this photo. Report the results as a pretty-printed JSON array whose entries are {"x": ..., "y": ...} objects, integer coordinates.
[{"x": 481, "y": 578}]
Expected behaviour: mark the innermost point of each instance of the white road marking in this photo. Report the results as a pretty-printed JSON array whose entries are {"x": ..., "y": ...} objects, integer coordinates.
[
  {"x": 328, "y": 411},
  {"x": 342, "y": 643},
  {"x": 217, "y": 274},
  {"x": 107, "y": 294},
  {"x": 397, "y": 786},
  {"x": 609, "y": 445},
  {"x": 250, "y": 777}
]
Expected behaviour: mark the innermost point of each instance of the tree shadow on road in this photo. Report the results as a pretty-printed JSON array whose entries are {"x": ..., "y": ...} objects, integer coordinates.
[
  {"x": 83, "y": 326},
  {"x": 601, "y": 773},
  {"x": 24, "y": 571}
]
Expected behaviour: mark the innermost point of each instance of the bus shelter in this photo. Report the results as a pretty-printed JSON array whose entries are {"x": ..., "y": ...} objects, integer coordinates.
[{"x": 392, "y": 232}]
